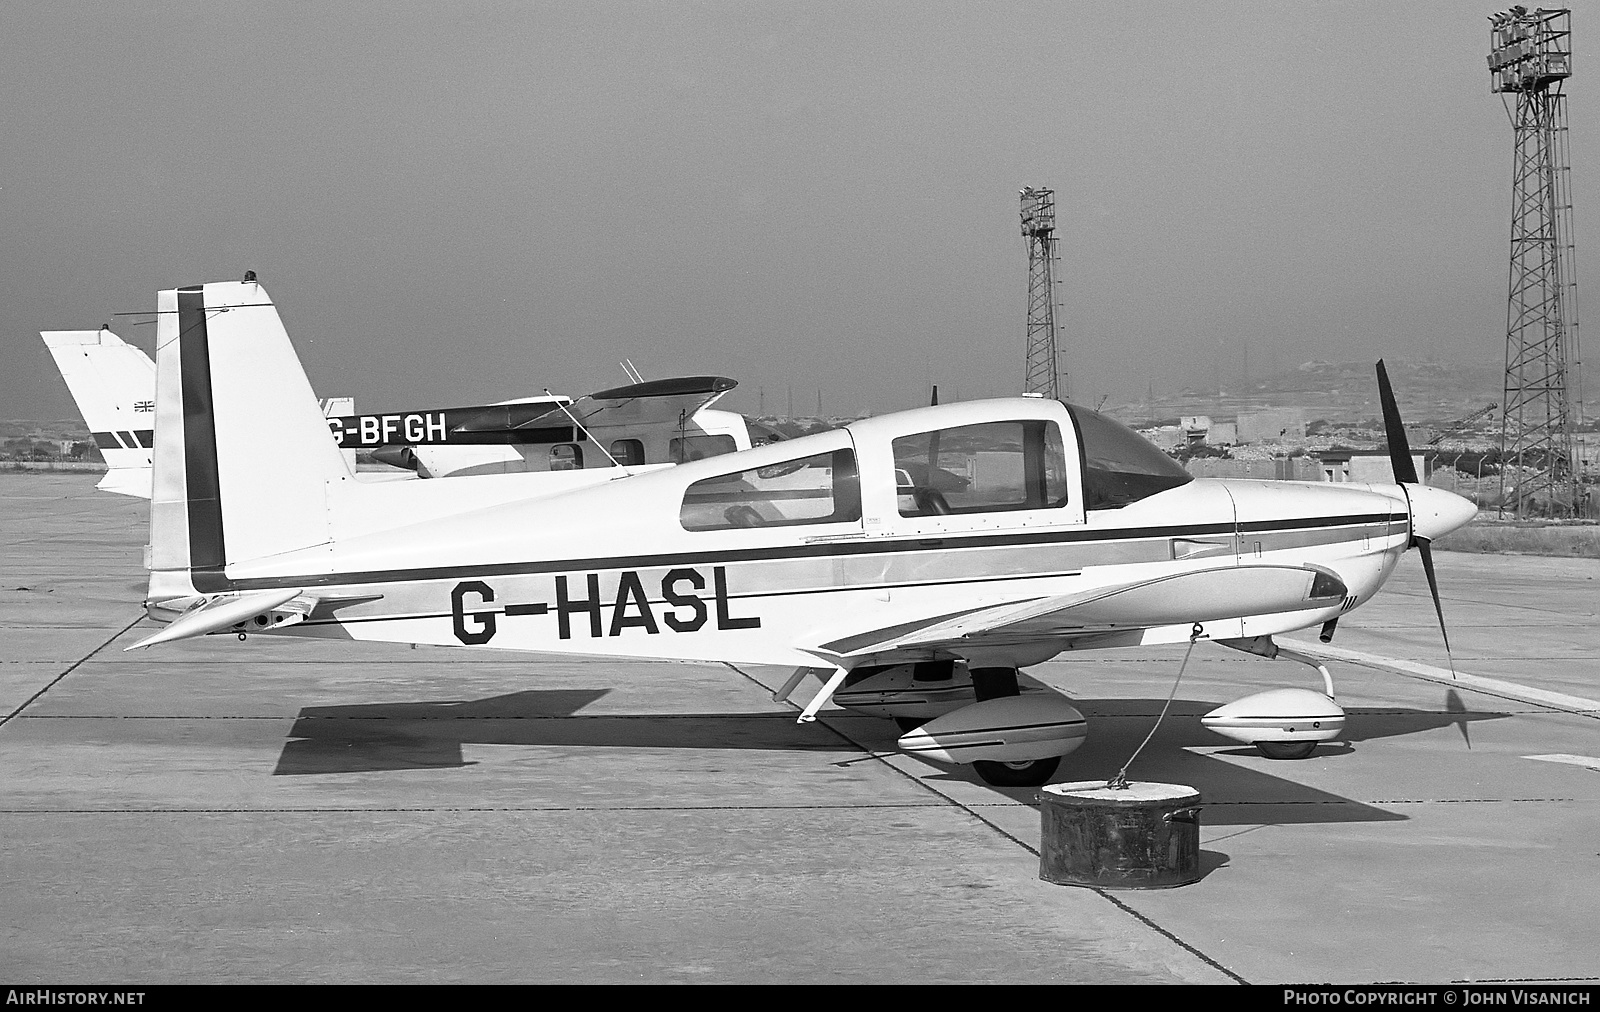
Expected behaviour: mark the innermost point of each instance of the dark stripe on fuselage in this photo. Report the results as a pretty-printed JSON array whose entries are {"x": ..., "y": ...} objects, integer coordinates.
[
  {"x": 108, "y": 441},
  {"x": 204, "y": 493},
  {"x": 214, "y": 581}
]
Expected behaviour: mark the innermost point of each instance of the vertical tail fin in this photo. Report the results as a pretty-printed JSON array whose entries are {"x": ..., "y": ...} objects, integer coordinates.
[
  {"x": 243, "y": 456},
  {"x": 332, "y": 409},
  {"x": 114, "y": 385}
]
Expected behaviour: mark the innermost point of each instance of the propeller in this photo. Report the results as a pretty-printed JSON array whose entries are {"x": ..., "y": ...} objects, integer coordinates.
[{"x": 1405, "y": 473}]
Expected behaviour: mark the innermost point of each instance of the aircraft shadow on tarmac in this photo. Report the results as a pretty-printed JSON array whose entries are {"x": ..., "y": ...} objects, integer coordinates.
[
  {"x": 367, "y": 737},
  {"x": 1238, "y": 785}
]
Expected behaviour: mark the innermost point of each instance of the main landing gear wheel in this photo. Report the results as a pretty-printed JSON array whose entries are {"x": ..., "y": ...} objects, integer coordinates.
[
  {"x": 1029, "y": 774},
  {"x": 1287, "y": 749},
  {"x": 993, "y": 683}
]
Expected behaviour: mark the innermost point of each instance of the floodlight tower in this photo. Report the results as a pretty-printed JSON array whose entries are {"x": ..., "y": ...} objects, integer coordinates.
[
  {"x": 1530, "y": 58},
  {"x": 1043, "y": 374}
]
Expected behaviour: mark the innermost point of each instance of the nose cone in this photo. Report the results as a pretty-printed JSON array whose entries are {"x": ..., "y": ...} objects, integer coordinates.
[{"x": 1435, "y": 512}]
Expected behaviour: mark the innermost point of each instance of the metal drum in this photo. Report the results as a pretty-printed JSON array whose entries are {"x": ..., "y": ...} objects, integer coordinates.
[{"x": 1142, "y": 836}]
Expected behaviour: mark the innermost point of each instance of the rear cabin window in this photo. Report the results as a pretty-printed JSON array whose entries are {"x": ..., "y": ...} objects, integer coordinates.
[
  {"x": 822, "y": 489},
  {"x": 682, "y": 450},
  {"x": 627, "y": 452},
  {"x": 991, "y": 467},
  {"x": 566, "y": 457},
  {"x": 1119, "y": 465}
]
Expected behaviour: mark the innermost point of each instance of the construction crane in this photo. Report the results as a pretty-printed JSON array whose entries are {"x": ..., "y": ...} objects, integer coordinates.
[{"x": 1461, "y": 423}]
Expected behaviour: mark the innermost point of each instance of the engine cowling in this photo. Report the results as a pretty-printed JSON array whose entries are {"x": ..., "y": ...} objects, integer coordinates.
[{"x": 1035, "y": 725}]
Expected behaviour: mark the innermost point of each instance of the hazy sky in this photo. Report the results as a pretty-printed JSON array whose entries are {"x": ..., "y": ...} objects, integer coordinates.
[{"x": 461, "y": 202}]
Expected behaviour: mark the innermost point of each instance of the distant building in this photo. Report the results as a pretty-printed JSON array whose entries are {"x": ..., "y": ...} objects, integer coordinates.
[
  {"x": 1586, "y": 447},
  {"x": 1166, "y": 437},
  {"x": 1223, "y": 433},
  {"x": 1274, "y": 424},
  {"x": 1366, "y": 467}
]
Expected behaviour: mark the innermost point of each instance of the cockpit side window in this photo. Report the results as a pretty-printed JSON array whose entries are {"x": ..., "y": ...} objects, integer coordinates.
[
  {"x": 1119, "y": 465},
  {"x": 985, "y": 468},
  {"x": 820, "y": 489}
]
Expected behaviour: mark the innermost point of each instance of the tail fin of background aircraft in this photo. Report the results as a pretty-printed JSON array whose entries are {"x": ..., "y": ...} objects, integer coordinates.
[
  {"x": 114, "y": 385},
  {"x": 243, "y": 457}
]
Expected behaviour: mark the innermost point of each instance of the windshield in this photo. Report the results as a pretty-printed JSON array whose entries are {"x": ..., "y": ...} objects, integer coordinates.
[{"x": 1119, "y": 465}]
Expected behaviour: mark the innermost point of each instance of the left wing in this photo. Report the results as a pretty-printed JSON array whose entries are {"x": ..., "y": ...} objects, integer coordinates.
[
  {"x": 1202, "y": 596},
  {"x": 656, "y": 403}
]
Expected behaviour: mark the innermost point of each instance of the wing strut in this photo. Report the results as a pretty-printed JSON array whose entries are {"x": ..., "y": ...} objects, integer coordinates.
[
  {"x": 783, "y": 692},
  {"x": 821, "y": 698}
]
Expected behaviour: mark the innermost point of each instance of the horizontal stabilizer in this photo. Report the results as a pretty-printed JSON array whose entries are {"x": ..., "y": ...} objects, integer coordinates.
[{"x": 220, "y": 612}]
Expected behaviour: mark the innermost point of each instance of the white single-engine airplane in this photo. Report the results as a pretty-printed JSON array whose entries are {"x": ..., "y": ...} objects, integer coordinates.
[{"x": 1036, "y": 527}]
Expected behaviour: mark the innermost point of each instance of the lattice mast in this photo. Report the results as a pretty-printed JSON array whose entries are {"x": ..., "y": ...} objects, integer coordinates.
[
  {"x": 1529, "y": 61},
  {"x": 1044, "y": 374}
]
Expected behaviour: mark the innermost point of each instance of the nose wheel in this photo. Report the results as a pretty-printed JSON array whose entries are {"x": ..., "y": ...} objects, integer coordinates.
[
  {"x": 1286, "y": 749},
  {"x": 1280, "y": 723}
]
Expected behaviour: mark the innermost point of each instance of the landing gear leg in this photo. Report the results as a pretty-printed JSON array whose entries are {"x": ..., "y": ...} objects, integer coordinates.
[
  {"x": 1297, "y": 749},
  {"x": 1322, "y": 669},
  {"x": 993, "y": 683}
]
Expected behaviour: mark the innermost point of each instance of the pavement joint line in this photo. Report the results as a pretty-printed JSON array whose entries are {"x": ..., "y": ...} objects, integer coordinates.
[
  {"x": 972, "y": 810},
  {"x": 52, "y": 683},
  {"x": 1513, "y": 980},
  {"x": 1508, "y": 605},
  {"x": 407, "y": 719},
  {"x": 480, "y": 809},
  {"x": 1478, "y": 683}
]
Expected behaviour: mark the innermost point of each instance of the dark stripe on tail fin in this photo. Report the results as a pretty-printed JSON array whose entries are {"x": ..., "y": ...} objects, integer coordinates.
[{"x": 206, "y": 549}]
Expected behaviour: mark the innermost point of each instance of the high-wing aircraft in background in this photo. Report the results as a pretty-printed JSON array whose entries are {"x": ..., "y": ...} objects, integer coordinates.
[
  {"x": 665, "y": 421},
  {"x": 913, "y": 561},
  {"x": 650, "y": 421}
]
